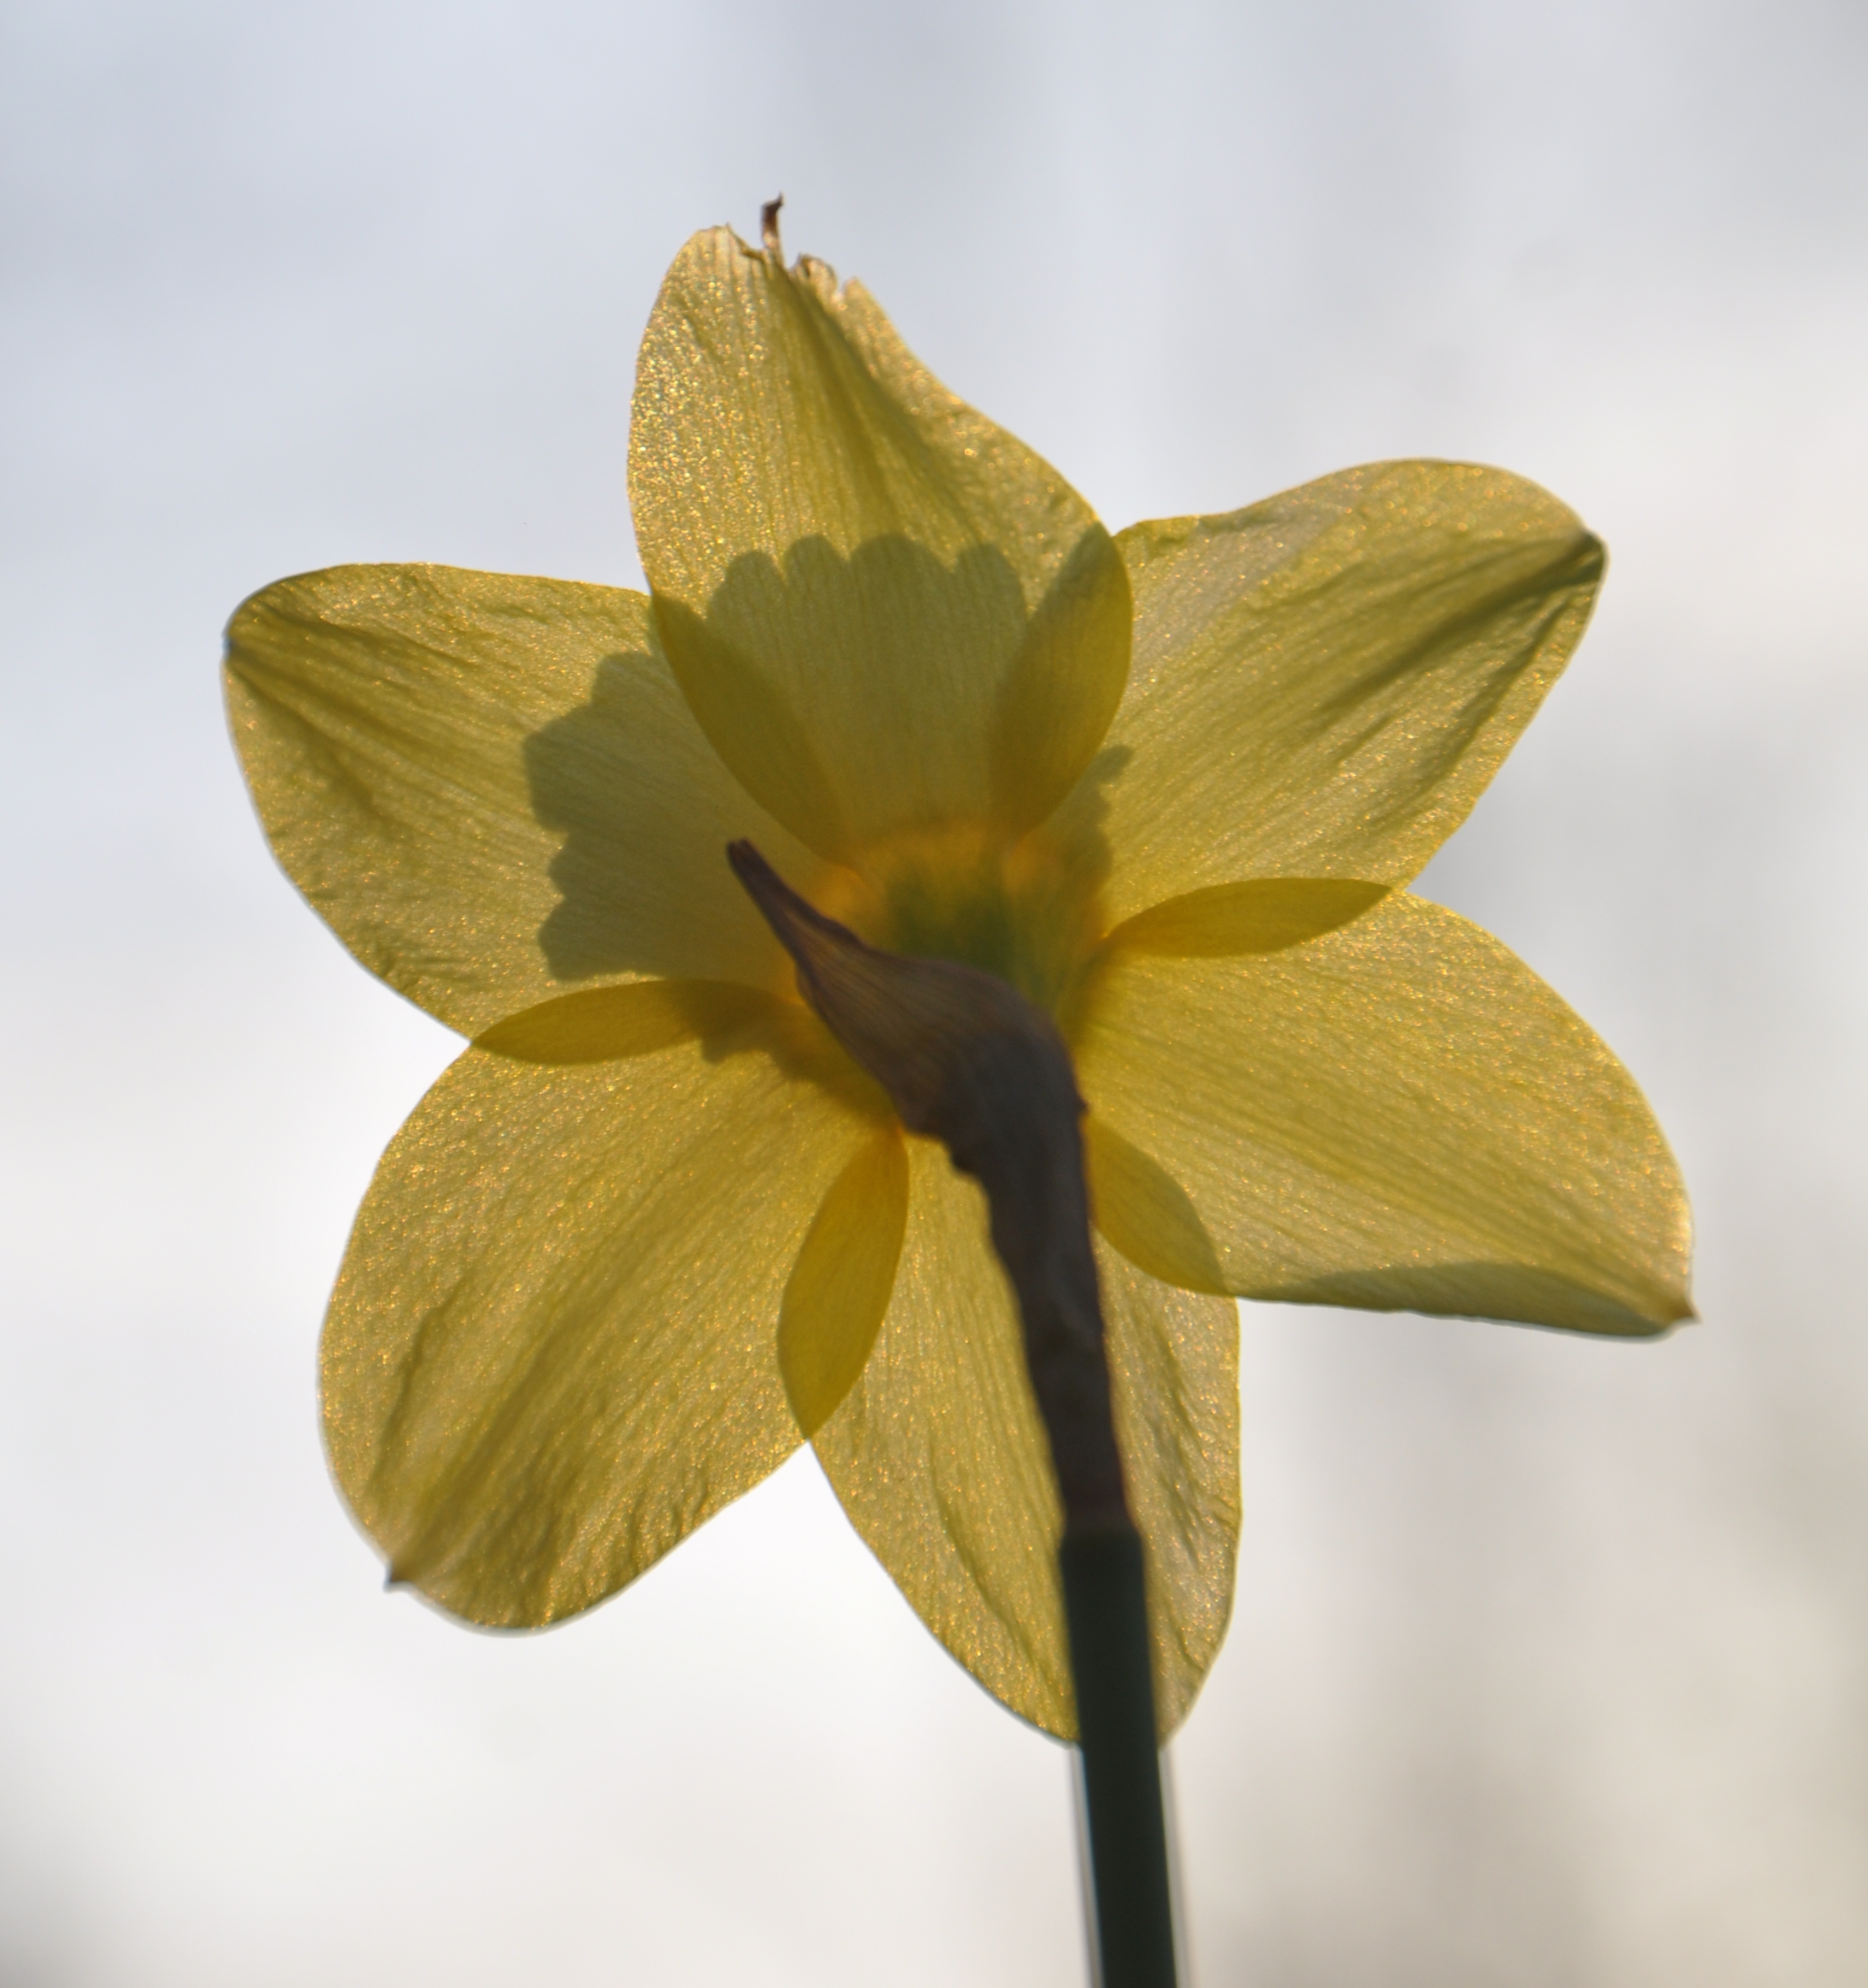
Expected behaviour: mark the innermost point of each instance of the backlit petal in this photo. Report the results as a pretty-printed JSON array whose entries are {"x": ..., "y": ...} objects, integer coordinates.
[
  {"x": 1397, "y": 1115},
  {"x": 491, "y": 787},
  {"x": 1323, "y": 684},
  {"x": 1262, "y": 915},
  {"x": 601, "y": 1024},
  {"x": 839, "y": 1287},
  {"x": 1174, "y": 1357},
  {"x": 552, "y": 1351},
  {"x": 886, "y": 612},
  {"x": 940, "y": 1462}
]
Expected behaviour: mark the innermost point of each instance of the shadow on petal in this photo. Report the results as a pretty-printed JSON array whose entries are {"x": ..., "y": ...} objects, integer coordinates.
[
  {"x": 646, "y": 809},
  {"x": 858, "y": 697}
]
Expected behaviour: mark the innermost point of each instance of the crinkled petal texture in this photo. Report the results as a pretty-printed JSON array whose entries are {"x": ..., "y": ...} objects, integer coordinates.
[
  {"x": 1323, "y": 684},
  {"x": 939, "y": 1460},
  {"x": 886, "y": 612},
  {"x": 551, "y": 1352},
  {"x": 491, "y": 787},
  {"x": 1399, "y": 1114}
]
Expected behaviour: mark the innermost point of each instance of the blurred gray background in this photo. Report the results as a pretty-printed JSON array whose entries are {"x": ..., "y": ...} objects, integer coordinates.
[{"x": 1549, "y": 1666}]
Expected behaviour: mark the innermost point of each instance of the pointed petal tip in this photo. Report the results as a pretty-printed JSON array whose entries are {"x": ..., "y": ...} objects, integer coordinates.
[
  {"x": 1675, "y": 1307},
  {"x": 1655, "y": 1318}
]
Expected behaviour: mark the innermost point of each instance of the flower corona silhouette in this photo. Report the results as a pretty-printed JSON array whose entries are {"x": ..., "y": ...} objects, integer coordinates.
[{"x": 657, "y": 1227}]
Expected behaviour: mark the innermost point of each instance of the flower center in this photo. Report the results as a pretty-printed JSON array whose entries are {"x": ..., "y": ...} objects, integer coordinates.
[{"x": 1029, "y": 911}]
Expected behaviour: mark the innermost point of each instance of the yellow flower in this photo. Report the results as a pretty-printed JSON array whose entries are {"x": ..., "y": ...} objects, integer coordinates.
[{"x": 654, "y": 1227}]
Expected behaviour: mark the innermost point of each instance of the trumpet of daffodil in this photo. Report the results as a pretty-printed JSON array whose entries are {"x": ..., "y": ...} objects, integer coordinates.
[{"x": 654, "y": 1228}]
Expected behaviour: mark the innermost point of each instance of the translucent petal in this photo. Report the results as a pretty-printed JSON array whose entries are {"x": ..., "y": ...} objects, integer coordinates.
[
  {"x": 491, "y": 787},
  {"x": 885, "y": 612},
  {"x": 1397, "y": 1115},
  {"x": 600, "y": 1024},
  {"x": 552, "y": 1351},
  {"x": 1262, "y": 915},
  {"x": 1323, "y": 684},
  {"x": 1174, "y": 1357},
  {"x": 940, "y": 1462},
  {"x": 1147, "y": 1213},
  {"x": 839, "y": 1286}
]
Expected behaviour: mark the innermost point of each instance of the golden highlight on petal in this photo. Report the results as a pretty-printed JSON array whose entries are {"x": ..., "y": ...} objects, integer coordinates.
[{"x": 839, "y": 1286}]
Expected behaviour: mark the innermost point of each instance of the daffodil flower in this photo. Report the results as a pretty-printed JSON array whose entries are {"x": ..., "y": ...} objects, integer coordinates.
[{"x": 653, "y": 1228}]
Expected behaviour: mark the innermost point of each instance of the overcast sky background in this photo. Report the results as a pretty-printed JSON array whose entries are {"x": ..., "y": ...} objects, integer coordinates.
[{"x": 1550, "y": 1665}]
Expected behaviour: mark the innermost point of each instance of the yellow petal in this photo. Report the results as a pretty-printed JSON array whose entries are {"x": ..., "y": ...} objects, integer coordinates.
[
  {"x": 839, "y": 1286},
  {"x": 552, "y": 1351},
  {"x": 885, "y": 612},
  {"x": 940, "y": 1462},
  {"x": 1174, "y": 1359},
  {"x": 1323, "y": 684},
  {"x": 1398, "y": 1115},
  {"x": 491, "y": 787},
  {"x": 601, "y": 1024},
  {"x": 1147, "y": 1213},
  {"x": 1262, "y": 915}
]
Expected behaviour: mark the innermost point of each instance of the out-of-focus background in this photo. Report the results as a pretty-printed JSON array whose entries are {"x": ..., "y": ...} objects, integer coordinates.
[{"x": 1550, "y": 1664}]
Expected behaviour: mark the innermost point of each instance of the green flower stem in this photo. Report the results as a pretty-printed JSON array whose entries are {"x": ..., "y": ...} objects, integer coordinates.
[{"x": 1105, "y": 1608}]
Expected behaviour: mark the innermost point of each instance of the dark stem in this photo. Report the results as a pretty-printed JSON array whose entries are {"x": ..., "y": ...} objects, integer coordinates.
[
  {"x": 966, "y": 1059},
  {"x": 1105, "y": 1608}
]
